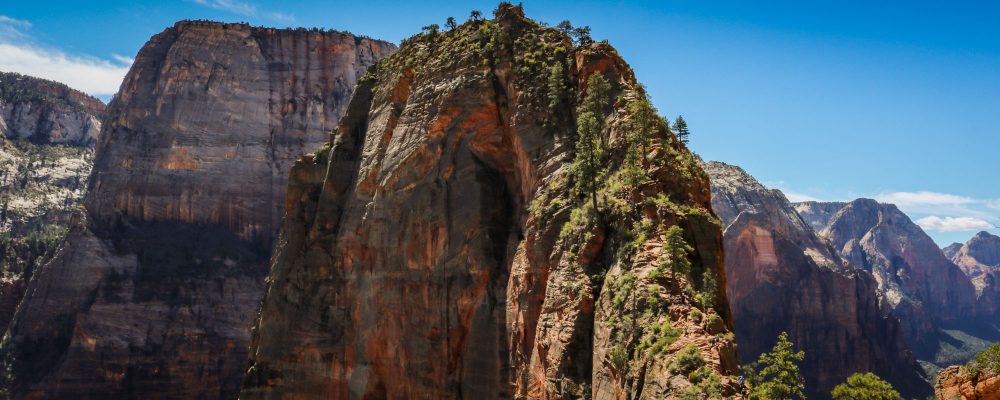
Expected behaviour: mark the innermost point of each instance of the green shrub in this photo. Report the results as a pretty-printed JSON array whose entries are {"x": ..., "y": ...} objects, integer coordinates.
[
  {"x": 686, "y": 361},
  {"x": 986, "y": 360},
  {"x": 867, "y": 386}
]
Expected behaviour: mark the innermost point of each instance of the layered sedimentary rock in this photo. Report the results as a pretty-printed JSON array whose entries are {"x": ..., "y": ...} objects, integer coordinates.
[
  {"x": 154, "y": 296},
  {"x": 916, "y": 283},
  {"x": 781, "y": 277},
  {"x": 47, "y": 132},
  {"x": 979, "y": 258},
  {"x": 429, "y": 250},
  {"x": 44, "y": 111},
  {"x": 955, "y": 383}
]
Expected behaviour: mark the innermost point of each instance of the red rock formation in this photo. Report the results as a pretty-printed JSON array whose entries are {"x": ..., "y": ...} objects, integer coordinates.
[
  {"x": 423, "y": 255},
  {"x": 954, "y": 383},
  {"x": 781, "y": 277},
  {"x": 155, "y": 296}
]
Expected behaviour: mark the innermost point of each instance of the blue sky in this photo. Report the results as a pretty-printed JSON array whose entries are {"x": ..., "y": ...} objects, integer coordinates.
[{"x": 828, "y": 100}]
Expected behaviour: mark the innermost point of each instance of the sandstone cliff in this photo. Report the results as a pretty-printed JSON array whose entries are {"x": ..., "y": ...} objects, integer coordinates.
[
  {"x": 780, "y": 276},
  {"x": 154, "y": 296},
  {"x": 979, "y": 258},
  {"x": 44, "y": 111},
  {"x": 47, "y": 132},
  {"x": 954, "y": 383},
  {"x": 434, "y": 249},
  {"x": 916, "y": 283}
]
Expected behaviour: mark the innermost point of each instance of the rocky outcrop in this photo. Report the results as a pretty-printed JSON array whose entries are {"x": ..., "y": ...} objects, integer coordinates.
[
  {"x": 916, "y": 283},
  {"x": 781, "y": 277},
  {"x": 44, "y": 111},
  {"x": 955, "y": 383},
  {"x": 979, "y": 258},
  {"x": 434, "y": 248},
  {"x": 154, "y": 296},
  {"x": 47, "y": 132}
]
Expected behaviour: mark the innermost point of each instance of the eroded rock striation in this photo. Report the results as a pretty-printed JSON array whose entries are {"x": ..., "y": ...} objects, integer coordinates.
[
  {"x": 154, "y": 296},
  {"x": 782, "y": 277},
  {"x": 44, "y": 111},
  {"x": 434, "y": 248}
]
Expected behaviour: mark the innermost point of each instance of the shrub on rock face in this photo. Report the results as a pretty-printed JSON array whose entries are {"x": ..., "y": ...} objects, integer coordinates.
[
  {"x": 866, "y": 386},
  {"x": 986, "y": 361}
]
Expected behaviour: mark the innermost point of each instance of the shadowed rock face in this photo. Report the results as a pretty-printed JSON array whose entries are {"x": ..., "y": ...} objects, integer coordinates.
[
  {"x": 44, "y": 111},
  {"x": 915, "y": 281},
  {"x": 421, "y": 254},
  {"x": 782, "y": 277},
  {"x": 155, "y": 295}
]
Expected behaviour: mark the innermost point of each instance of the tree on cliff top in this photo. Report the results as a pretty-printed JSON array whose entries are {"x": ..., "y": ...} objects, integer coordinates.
[
  {"x": 867, "y": 386},
  {"x": 780, "y": 378},
  {"x": 681, "y": 129}
]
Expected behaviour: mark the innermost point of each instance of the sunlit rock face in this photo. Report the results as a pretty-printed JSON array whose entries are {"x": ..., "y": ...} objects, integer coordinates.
[
  {"x": 979, "y": 258},
  {"x": 782, "y": 277},
  {"x": 154, "y": 296},
  {"x": 955, "y": 383},
  {"x": 422, "y": 256},
  {"x": 916, "y": 282},
  {"x": 47, "y": 112}
]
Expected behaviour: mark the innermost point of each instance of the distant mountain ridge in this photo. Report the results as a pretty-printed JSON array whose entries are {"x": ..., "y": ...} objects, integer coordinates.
[
  {"x": 781, "y": 276},
  {"x": 45, "y": 111}
]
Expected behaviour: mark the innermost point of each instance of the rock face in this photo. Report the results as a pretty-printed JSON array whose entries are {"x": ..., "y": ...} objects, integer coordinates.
[
  {"x": 979, "y": 258},
  {"x": 780, "y": 276},
  {"x": 154, "y": 296},
  {"x": 44, "y": 111},
  {"x": 954, "y": 383},
  {"x": 47, "y": 132},
  {"x": 429, "y": 251},
  {"x": 915, "y": 281}
]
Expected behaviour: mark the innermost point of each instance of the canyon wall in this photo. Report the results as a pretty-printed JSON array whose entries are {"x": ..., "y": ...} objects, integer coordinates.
[
  {"x": 153, "y": 296},
  {"x": 44, "y": 111},
  {"x": 47, "y": 133},
  {"x": 916, "y": 282},
  {"x": 782, "y": 277},
  {"x": 435, "y": 247}
]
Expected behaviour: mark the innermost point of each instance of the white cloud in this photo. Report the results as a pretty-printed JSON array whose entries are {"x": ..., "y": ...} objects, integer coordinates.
[
  {"x": 796, "y": 197},
  {"x": 14, "y": 22},
  {"x": 245, "y": 9},
  {"x": 20, "y": 53},
  {"x": 923, "y": 198},
  {"x": 90, "y": 75},
  {"x": 953, "y": 224},
  {"x": 235, "y": 7},
  {"x": 994, "y": 204}
]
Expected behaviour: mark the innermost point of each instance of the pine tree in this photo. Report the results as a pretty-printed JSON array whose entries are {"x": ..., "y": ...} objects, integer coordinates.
[
  {"x": 780, "y": 378},
  {"x": 675, "y": 252},
  {"x": 565, "y": 27},
  {"x": 475, "y": 15},
  {"x": 450, "y": 24},
  {"x": 867, "y": 386},
  {"x": 586, "y": 167},
  {"x": 681, "y": 129},
  {"x": 591, "y": 141},
  {"x": 556, "y": 86}
]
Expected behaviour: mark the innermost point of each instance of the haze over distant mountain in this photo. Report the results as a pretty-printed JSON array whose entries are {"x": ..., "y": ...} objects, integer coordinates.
[
  {"x": 782, "y": 277},
  {"x": 944, "y": 321}
]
